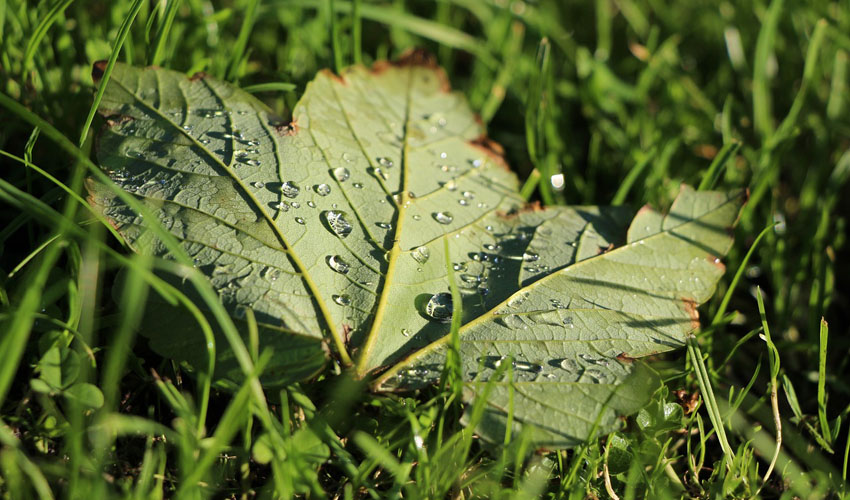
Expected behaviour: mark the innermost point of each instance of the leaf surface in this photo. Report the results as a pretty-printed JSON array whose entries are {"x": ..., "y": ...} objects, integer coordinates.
[{"x": 331, "y": 227}]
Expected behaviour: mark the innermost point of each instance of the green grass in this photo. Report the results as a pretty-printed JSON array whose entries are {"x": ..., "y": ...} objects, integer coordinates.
[{"x": 627, "y": 99}]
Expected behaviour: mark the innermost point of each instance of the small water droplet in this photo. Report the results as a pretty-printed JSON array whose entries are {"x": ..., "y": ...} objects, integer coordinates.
[
  {"x": 491, "y": 247},
  {"x": 462, "y": 202},
  {"x": 252, "y": 162},
  {"x": 323, "y": 190},
  {"x": 444, "y": 155},
  {"x": 568, "y": 321},
  {"x": 299, "y": 220},
  {"x": 342, "y": 300},
  {"x": 290, "y": 189},
  {"x": 338, "y": 264},
  {"x": 417, "y": 217},
  {"x": 489, "y": 229},
  {"x": 459, "y": 266},
  {"x": 385, "y": 162},
  {"x": 295, "y": 204},
  {"x": 443, "y": 217},
  {"x": 204, "y": 141},
  {"x": 187, "y": 127},
  {"x": 258, "y": 184},
  {"x": 383, "y": 225},
  {"x": 405, "y": 332},
  {"x": 421, "y": 254},
  {"x": 528, "y": 367},
  {"x": 336, "y": 221},
  {"x": 358, "y": 185},
  {"x": 282, "y": 206},
  {"x": 341, "y": 173},
  {"x": 439, "y": 307},
  {"x": 346, "y": 157},
  {"x": 311, "y": 204},
  {"x": 530, "y": 256},
  {"x": 468, "y": 195},
  {"x": 451, "y": 185}
]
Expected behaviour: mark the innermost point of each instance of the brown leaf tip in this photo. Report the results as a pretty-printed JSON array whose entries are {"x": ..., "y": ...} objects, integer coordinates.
[
  {"x": 200, "y": 75},
  {"x": 492, "y": 149},
  {"x": 691, "y": 308},
  {"x": 416, "y": 58},
  {"x": 97, "y": 70}
]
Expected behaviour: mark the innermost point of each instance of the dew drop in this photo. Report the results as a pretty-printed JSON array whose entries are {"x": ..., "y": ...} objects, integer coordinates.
[
  {"x": 491, "y": 247},
  {"x": 451, "y": 185},
  {"x": 443, "y": 217},
  {"x": 358, "y": 185},
  {"x": 336, "y": 221},
  {"x": 459, "y": 266},
  {"x": 187, "y": 127},
  {"x": 476, "y": 163},
  {"x": 258, "y": 185},
  {"x": 253, "y": 163},
  {"x": 528, "y": 367},
  {"x": 299, "y": 220},
  {"x": 290, "y": 189},
  {"x": 468, "y": 195},
  {"x": 568, "y": 365},
  {"x": 341, "y": 173},
  {"x": 311, "y": 204},
  {"x": 338, "y": 264},
  {"x": 295, "y": 204},
  {"x": 421, "y": 254},
  {"x": 462, "y": 202},
  {"x": 346, "y": 157},
  {"x": 444, "y": 155},
  {"x": 405, "y": 332},
  {"x": 342, "y": 300},
  {"x": 417, "y": 217},
  {"x": 323, "y": 190},
  {"x": 514, "y": 321},
  {"x": 385, "y": 162},
  {"x": 383, "y": 225},
  {"x": 439, "y": 307},
  {"x": 530, "y": 256},
  {"x": 282, "y": 206},
  {"x": 204, "y": 141}
]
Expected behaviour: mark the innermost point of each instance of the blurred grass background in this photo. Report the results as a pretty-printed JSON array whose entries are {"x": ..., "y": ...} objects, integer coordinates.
[{"x": 595, "y": 102}]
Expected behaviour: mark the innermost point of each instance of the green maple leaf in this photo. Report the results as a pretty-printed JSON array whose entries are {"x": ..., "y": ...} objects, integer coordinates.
[{"x": 332, "y": 228}]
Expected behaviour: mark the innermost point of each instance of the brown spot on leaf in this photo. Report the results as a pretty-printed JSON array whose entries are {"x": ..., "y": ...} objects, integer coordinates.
[
  {"x": 97, "y": 70},
  {"x": 200, "y": 75},
  {"x": 715, "y": 260},
  {"x": 691, "y": 308},
  {"x": 533, "y": 206},
  {"x": 625, "y": 358},
  {"x": 346, "y": 333},
  {"x": 284, "y": 127},
  {"x": 115, "y": 120}
]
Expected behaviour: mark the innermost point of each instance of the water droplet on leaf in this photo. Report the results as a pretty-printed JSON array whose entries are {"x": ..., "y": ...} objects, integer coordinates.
[
  {"x": 342, "y": 300},
  {"x": 421, "y": 254},
  {"x": 443, "y": 217},
  {"x": 439, "y": 307},
  {"x": 290, "y": 189},
  {"x": 323, "y": 190},
  {"x": 338, "y": 264},
  {"x": 337, "y": 223},
  {"x": 341, "y": 173}
]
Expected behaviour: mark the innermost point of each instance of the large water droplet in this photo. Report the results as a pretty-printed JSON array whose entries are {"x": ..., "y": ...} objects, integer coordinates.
[
  {"x": 514, "y": 321},
  {"x": 528, "y": 367},
  {"x": 323, "y": 190},
  {"x": 421, "y": 254},
  {"x": 341, "y": 173},
  {"x": 569, "y": 365},
  {"x": 336, "y": 221},
  {"x": 439, "y": 307},
  {"x": 290, "y": 189},
  {"x": 342, "y": 300},
  {"x": 338, "y": 264},
  {"x": 443, "y": 217}
]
